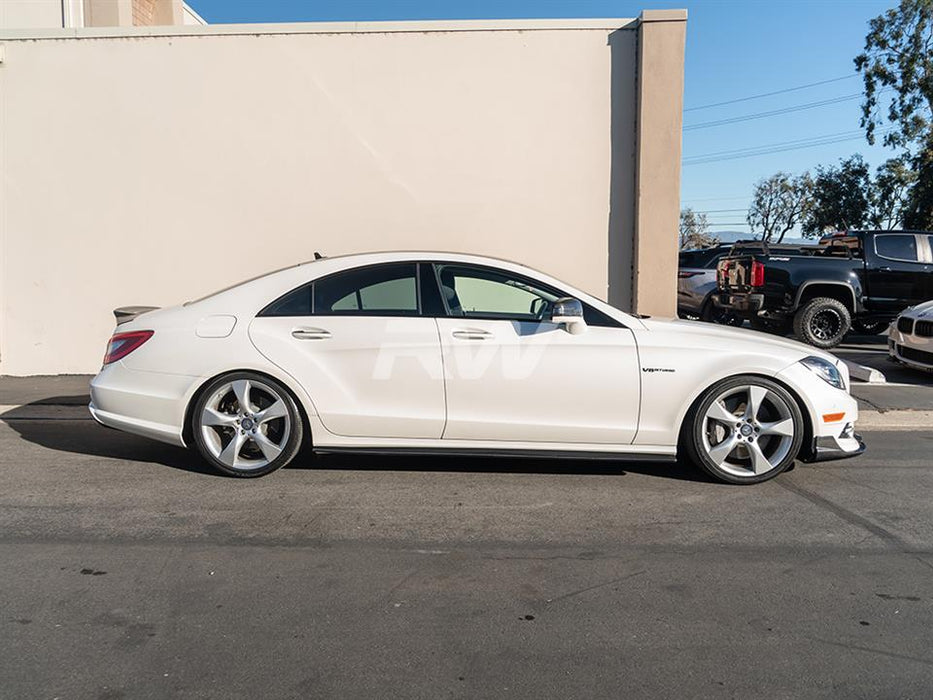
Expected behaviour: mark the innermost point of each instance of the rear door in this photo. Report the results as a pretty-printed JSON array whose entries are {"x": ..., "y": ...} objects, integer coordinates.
[
  {"x": 357, "y": 342},
  {"x": 896, "y": 271}
]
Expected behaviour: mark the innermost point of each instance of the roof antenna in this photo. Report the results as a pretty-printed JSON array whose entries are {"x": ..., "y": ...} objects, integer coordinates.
[{"x": 317, "y": 255}]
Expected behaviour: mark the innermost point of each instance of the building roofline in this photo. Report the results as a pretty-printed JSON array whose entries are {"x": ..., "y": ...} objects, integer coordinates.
[{"x": 511, "y": 25}]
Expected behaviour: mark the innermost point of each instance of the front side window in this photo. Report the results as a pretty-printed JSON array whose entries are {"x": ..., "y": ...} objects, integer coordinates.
[
  {"x": 474, "y": 292},
  {"x": 897, "y": 246}
]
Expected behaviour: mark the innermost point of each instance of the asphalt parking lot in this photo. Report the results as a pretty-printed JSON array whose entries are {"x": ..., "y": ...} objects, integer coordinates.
[{"x": 129, "y": 571}]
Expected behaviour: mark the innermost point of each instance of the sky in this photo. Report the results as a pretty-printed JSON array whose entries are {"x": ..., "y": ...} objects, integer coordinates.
[{"x": 735, "y": 49}]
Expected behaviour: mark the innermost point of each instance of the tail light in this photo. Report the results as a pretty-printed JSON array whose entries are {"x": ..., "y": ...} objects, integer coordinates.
[
  {"x": 122, "y": 344},
  {"x": 685, "y": 274},
  {"x": 757, "y": 278}
]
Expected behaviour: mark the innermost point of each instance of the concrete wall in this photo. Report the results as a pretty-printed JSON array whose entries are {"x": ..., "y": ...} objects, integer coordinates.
[{"x": 154, "y": 166}]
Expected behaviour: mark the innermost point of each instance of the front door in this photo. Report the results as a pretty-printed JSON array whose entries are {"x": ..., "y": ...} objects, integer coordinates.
[
  {"x": 357, "y": 343},
  {"x": 512, "y": 375}
]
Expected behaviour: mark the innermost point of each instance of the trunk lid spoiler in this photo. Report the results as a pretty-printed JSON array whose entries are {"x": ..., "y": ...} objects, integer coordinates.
[{"x": 125, "y": 314}]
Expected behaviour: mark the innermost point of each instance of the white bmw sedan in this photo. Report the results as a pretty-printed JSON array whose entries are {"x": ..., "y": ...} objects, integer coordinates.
[
  {"x": 910, "y": 337},
  {"x": 448, "y": 353}
]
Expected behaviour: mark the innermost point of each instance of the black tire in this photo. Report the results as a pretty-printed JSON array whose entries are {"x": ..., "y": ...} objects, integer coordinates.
[
  {"x": 695, "y": 439},
  {"x": 869, "y": 327},
  {"x": 288, "y": 427},
  {"x": 770, "y": 325},
  {"x": 822, "y": 322},
  {"x": 715, "y": 314}
]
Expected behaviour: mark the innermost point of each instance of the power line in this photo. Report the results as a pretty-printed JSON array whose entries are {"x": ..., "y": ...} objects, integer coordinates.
[
  {"x": 769, "y": 94},
  {"x": 781, "y": 143},
  {"x": 776, "y": 147},
  {"x": 774, "y": 112},
  {"x": 716, "y": 211},
  {"x": 715, "y": 199}
]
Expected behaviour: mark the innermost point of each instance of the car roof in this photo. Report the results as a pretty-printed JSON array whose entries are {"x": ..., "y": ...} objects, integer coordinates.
[{"x": 271, "y": 285}]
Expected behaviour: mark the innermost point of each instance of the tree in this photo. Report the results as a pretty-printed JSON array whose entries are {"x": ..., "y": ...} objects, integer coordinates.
[
  {"x": 918, "y": 209},
  {"x": 842, "y": 197},
  {"x": 891, "y": 194},
  {"x": 898, "y": 58},
  {"x": 694, "y": 231},
  {"x": 779, "y": 203}
]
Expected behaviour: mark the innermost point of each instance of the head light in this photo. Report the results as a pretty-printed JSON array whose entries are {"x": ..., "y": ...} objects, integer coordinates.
[{"x": 825, "y": 370}]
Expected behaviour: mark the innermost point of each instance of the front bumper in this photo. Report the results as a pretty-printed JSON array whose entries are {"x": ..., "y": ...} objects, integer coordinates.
[
  {"x": 916, "y": 353},
  {"x": 826, "y": 448},
  {"x": 833, "y": 416}
]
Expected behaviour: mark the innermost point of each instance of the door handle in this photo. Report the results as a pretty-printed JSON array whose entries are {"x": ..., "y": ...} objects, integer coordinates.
[
  {"x": 310, "y": 333},
  {"x": 471, "y": 334}
]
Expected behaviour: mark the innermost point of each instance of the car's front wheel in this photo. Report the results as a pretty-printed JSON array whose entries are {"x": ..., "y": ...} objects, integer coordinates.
[
  {"x": 246, "y": 424},
  {"x": 744, "y": 430}
]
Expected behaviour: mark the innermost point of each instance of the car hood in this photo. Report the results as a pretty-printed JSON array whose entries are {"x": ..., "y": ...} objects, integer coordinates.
[
  {"x": 924, "y": 310},
  {"x": 697, "y": 333}
]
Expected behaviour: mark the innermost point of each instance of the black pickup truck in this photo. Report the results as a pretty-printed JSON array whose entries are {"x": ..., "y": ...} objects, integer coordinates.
[{"x": 858, "y": 278}]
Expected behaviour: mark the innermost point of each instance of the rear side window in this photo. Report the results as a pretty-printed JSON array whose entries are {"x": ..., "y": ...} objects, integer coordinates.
[
  {"x": 897, "y": 246},
  {"x": 379, "y": 290},
  {"x": 383, "y": 290}
]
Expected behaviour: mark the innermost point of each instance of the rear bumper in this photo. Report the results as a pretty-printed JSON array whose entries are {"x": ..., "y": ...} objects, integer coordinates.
[
  {"x": 151, "y": 404},
  {"x": 740, "y": 303}
]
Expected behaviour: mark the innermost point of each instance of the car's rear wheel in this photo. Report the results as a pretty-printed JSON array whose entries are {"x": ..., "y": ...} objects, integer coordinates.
[
  {"x": 246, "y": 424},
  {"x": 744, "y": 430},
  {"x": 822, "y": 322}
]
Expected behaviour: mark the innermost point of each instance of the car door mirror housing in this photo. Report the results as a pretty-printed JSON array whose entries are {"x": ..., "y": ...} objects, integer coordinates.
[{"x": 568, "y": 312}]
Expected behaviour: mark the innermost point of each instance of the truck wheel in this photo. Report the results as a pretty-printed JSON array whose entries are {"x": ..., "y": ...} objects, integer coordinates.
[
  {"x": 770, "y": 325},
  {"x": 869, "y": 327},
  {"x": 714, "y": 314},
  {"x": 822, "y": 322}
]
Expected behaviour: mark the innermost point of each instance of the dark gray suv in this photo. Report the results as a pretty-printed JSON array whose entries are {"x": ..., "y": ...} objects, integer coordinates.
[{"x": 696, "y": 283}]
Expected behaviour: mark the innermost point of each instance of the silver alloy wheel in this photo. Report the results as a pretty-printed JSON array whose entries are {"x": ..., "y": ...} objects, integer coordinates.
[
  {"x": 245, "y": 424},
  {"x": 748, "y": 430}
]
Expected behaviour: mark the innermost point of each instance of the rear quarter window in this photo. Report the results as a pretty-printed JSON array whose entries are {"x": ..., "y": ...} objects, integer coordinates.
[{"x": 897, "y": 246}]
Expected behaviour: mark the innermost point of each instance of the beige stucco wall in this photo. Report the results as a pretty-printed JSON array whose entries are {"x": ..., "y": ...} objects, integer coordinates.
[
  {"x": 156, "y": 167},
  {"x": 27, "y": 14}
]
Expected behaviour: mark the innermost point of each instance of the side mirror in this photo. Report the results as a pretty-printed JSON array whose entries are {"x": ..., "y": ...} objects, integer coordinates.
[{"x": 568, "y": 312}]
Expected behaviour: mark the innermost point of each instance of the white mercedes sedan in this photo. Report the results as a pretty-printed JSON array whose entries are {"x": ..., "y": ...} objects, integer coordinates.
[{"x": 440, "y": 353}]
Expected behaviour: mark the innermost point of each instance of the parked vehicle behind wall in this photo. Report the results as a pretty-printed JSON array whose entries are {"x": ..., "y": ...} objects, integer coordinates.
[
  {"x": 860, "y": 279},
  {"x": 696, "y": 286}
]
